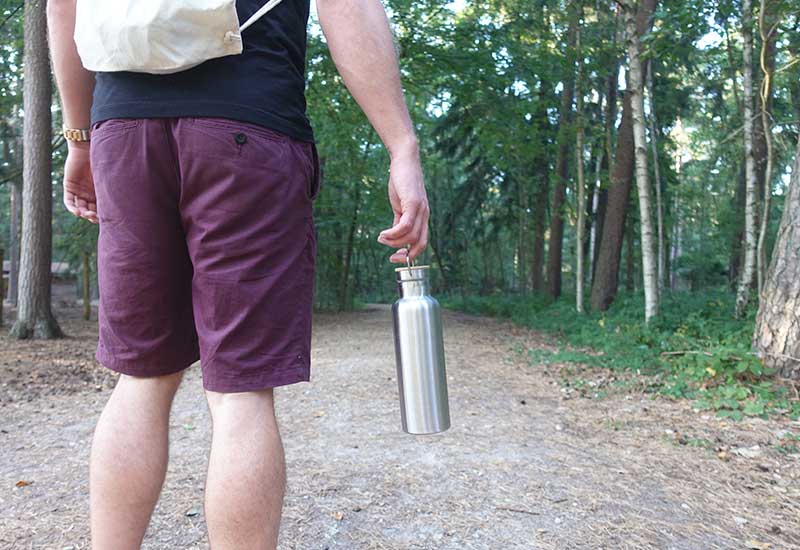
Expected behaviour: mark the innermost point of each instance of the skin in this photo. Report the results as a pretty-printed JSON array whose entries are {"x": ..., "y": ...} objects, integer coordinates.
[{"x": 246, "y": 476}]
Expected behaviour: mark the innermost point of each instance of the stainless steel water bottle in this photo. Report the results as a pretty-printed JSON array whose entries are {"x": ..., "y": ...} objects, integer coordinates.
[{"x": 419, "y": 352}]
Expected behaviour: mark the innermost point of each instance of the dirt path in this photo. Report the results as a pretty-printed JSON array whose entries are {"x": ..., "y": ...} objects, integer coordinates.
[{"x": 527, "y": 464}]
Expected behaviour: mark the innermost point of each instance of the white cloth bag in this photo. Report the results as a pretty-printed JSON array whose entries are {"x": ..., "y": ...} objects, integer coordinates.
[{"x": 158, "y": 36}]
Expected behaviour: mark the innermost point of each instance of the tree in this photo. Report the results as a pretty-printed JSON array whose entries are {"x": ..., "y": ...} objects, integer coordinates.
[
  {"x": 777, "y": 332},
  {"x": 606, "y": 271},
  {"x": 748, "y": 269},
  {"x": 767, "y": 31},
  {"x": 554, "y": 251},
  {"x": 35, "y": 318},
  {"x": 580, "y": 226},
  {"x": 636, "y": 93}
]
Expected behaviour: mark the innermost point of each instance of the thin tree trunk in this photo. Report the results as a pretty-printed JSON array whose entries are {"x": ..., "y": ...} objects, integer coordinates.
[
  {"x": 777, "y": 332},
  {"x": 35, "y": 318},
  {"x": 735, "y": 261},
  {"x": 606, "y": 276},
  {"x": 767, "y": 38},
  {"x": 595, "y": 205},
  {"x": 14, "y": 239},
  {"x": 15, "y": 217},
  {"x": 344, "y": 279},
  {"x": 555, "y": 248},
  {"x": 86, "y": 277},
  {"x": 537, "y": 253},
  {"x": 751, "y": 183},
  {"x": 662, "y": 254},
  {"x": 522, "y": 232},
  {"x": 630, "y": 263},
  {"x": 540, "y": 196},
  {"x": 636, "y": 81},
  {"x": 579, "y": 241}
]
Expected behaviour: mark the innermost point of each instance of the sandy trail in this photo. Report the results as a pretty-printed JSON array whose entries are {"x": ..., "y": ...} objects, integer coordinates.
[{"x": 524, "y": 466}]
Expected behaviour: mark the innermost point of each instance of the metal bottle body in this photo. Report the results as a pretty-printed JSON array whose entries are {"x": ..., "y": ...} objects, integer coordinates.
[{"x": 419, "y": 352}]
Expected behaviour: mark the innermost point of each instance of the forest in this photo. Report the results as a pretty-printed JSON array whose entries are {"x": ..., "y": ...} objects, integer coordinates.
[
  {"x": 614, "y": 239},
  {"x": 621, "y": 174}
]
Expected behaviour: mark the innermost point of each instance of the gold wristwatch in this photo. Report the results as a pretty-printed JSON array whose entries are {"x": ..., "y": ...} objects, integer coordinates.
[{"x": 77, "y": 134}]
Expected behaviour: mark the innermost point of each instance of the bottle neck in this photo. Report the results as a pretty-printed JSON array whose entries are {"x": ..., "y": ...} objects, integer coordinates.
[{"x": 408, "y": 289}]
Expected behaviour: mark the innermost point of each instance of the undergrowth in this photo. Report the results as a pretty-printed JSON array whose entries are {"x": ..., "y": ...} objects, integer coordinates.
[{"x": 694, "y": 350}]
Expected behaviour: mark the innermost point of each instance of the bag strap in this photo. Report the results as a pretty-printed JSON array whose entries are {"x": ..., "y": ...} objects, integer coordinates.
[{"x": 259, "y": 14}]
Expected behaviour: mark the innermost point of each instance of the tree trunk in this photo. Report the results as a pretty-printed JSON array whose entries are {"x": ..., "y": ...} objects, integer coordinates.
[
  {"x": 579, "y": 240},
  {"x": 777, "y": 332},
  {"x": 344, "y": 279},
  {"x": 735, "y": 261},
  {"x": 86, "y": 277},
  {"x": 540, "y": 196},
  {"x": 662, "y": 249},
  {"x": 555, "y": 248},
  {"x": 537, "y": 253},
  {"x": 767, "y": 32},
  {"x": 636, "y": 92},
  {"x": 522, "y": 234},
  {"x": 13, "y": 244},
  {"x": 15, "y": 216},
  {"x": 35, "y": 318},
  {"x": 606, "y": 276},
  {"x": 751, "y": 183}
]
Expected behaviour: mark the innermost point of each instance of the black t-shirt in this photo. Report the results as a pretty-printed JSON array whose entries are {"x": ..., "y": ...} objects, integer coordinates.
[{"x": 264, "y": 85}]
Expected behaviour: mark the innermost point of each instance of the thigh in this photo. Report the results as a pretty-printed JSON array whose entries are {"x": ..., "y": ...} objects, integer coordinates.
[
  {"x": 146, "y": 325},
  {"x": 246, "y": 205}
]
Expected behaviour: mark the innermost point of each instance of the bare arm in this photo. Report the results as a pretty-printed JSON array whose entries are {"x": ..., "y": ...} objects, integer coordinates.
[
  {"x": 361, "y": 45},
  {"x": 75, "y": 85}
]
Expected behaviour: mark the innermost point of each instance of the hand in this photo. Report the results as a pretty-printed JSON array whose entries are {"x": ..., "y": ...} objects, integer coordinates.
[
  {"x": 79, "y": 197},
  {"x": 410, "y": 206}
]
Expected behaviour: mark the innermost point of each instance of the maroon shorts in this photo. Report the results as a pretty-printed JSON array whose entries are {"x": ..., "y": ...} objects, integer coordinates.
[{"x": 206, "y": 250}]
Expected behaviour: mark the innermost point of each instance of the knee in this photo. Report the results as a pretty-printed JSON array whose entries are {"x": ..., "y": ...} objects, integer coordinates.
[
  {"x": 232, "y": 407},
  {"x": 156, "y": 385}
]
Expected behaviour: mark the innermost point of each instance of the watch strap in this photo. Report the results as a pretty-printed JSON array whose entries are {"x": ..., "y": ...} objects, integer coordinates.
[{"x": 77, "y": 134}]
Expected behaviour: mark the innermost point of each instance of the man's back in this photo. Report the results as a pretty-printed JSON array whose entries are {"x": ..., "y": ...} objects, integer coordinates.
[{"x": 264, "y": 85}]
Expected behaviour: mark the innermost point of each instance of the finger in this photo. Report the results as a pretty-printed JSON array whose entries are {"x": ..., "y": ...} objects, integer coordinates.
[
  {"x": 69, "y": 202},
  {"x": 399, "y": 257},
  {"x": 413, "y": 236},
  {"x": 396, "y": 235},
  {"x": 421, "y": 244}
]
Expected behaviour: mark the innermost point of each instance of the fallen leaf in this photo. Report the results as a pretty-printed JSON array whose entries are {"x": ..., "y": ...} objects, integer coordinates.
[
  {"x": 23, "y": 483},
  {"x": 338, "y": 516},
  {"x": 757, "y": 545}
]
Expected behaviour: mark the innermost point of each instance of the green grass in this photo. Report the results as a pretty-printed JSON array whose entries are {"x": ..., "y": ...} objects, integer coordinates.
[{"x": 694, "y": 350}]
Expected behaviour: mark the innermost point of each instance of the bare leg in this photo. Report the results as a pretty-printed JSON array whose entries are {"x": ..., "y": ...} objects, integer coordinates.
[
  {"x": 130, "y": 449},
  {"x": 246, "y": 472}
]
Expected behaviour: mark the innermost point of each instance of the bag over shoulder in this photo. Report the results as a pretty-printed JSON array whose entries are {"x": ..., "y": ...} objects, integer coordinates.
[{"x": 158, "y": 36}]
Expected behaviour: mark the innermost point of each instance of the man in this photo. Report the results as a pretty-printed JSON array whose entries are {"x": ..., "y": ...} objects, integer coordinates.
[{"x": 202, "y": 183}]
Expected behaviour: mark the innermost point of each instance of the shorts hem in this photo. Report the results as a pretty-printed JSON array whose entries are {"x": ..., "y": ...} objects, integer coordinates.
[
  {"x": 144, "y": 369},
  {"x": 260, "y": 381}
]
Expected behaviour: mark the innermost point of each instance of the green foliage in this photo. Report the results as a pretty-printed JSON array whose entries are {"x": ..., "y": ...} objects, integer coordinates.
[{"x": 695, "y": 349}]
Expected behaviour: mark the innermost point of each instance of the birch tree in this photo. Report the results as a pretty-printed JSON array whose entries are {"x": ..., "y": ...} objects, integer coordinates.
[
  {"x": 767, "y": 33},
  {"x": 636, "y": 91},
  {"x": 748, "y": 269}
]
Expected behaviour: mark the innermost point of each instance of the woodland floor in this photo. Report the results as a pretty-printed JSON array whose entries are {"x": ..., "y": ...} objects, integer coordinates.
[{"x": 528, "y": 463}]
